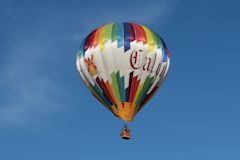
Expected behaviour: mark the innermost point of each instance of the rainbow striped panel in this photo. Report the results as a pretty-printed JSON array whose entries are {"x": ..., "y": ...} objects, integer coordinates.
[
  {"x": 123, "y": 65},
  {"x": 124, "y": 33}
]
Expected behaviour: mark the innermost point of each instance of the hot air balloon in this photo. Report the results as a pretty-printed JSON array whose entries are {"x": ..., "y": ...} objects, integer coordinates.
[{"x": 123, "y": 65}]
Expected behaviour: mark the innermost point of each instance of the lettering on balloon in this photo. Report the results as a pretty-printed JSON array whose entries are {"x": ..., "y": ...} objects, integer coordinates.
[
  {"x": 148, "y": 65},
  {"x": 135, "y": 58}
]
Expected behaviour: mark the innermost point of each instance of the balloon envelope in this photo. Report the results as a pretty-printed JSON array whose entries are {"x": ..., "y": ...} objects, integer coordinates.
[{"x": 123, "y": 64}]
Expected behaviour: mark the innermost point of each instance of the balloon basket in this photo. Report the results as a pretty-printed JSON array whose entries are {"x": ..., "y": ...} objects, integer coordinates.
[{"x": 125, "y": 133}]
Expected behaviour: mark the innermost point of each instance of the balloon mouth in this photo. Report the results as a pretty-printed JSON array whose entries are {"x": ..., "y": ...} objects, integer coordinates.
[{"x": 126, "y": 111}]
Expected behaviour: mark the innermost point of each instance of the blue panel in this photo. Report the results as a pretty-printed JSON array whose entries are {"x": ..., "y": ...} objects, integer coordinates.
[
  {"x": 126, "y": 37},
  {"x": 120, "y": 34},
  {"x": 82, "y": 48},
  {"x": 164, "y": 55}
]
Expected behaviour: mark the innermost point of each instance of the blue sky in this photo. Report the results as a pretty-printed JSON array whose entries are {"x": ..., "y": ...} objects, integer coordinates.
[{"x": 47, "y": 113}]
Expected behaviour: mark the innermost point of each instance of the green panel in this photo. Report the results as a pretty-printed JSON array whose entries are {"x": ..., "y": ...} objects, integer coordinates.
[
  {"x": 108, "y": 32},
  {"x": 147, "y": 84},
  {"x": 122, "y": 92},
  {"x": 114, "y": 32},
  {"x": 115, "y": 86}
]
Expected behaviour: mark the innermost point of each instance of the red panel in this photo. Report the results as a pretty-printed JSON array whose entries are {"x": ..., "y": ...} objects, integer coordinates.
[
  {"x": 135, "y": 84},
  {"x": 140, "y": 34}
]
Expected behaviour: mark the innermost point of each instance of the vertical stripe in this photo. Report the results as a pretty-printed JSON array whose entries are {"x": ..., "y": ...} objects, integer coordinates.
[
  {"x": 105, "y": 93},
  {"x": 168, "y": 53},
  {"x": 126, "y": 94},
  {"x": 108, "y": 31},
  {"x": 100, "y": 96},
  {"x": 131, "y": 32},
  {"x": 110, "y": 90},
  {"x": 150, "y": 40},
  {"x": 105, "y": 34},
  {"x": 99, "y": 93},
  {"x": 115, "y": 86},
  {"x": 158, "y": 40},
  {"x": 124, "y": 33},
  {"x": 119, "y": 85},
  {"x": 141, "y": 91},
  {"x": 96, "y": 36},
  {"x": 146, "y": 87},
  {"x": 137, "y": 93},
  {"x": 155, "y": 39},
  {"x": 102, "y": 38},
  {"x": 89, "y": 40},
  {"x": 114, "y": 32},
  {"x": 163, "y": 43},
  {"x": 122, "y": 94},
  {"x": 139, "y": 33},
  {"x": 135, "y": 84},
  {"x": 128, "y": 35},
  {"x": 164, "y": 55},
  {"x": 129, "y": 87},
  {"x": 82, "y": 48},
  {"x": 120, "y": 35}
]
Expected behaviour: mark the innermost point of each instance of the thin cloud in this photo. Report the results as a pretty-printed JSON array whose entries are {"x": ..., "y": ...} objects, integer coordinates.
[
  {"x": 144, "y": 13},
  {"x": 28, "y": 89}
]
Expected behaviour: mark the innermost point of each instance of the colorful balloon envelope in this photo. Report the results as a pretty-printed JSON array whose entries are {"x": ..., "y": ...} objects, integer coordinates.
[{"x": 123, "y": 65}]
